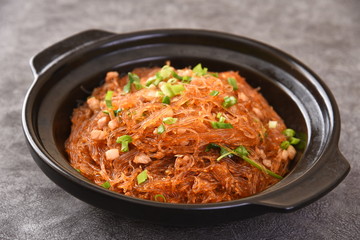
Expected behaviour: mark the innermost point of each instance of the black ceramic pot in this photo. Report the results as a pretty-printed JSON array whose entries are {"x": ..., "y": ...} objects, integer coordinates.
[{"x": 66, "y": 72}]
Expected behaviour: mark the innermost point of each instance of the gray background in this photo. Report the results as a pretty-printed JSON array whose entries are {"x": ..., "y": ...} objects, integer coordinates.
[{"x": 324, "y": 34}]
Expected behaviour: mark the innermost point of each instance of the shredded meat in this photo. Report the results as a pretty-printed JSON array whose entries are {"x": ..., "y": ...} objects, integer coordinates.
[{"x": 170, "y": 139}]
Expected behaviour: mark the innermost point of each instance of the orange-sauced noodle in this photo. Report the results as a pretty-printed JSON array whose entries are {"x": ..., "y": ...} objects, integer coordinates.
[{"x": 167, "y": 134}]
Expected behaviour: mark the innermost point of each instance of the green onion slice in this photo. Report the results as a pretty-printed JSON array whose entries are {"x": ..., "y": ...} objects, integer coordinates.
[
  {"x": 157, "y": 198},
  {"x": 165, "y": 72},
  {"x": 172, "y": 90},
  {"x": 199, "y": 70},
  {"x": 233, "y": 83},
  {"x": 161, "y": 129},
  {"x": 214, "y": 93},
  {"x": 169, "y": 120},
  {"x": 229, "y": 101},
  {"x": 273, "y": 124},
  {"x": 166, "y": 100},
  {"x": 133, "y": 79},
  {"x": 124, "y": 140},
  {"x": 294, "y": 140},
  {"x": 285, "y": 144},
  {"x": 142, "y": 177},
  {"x": 106, "y": 185},
  {"x": 221, "y": 125},
  {"x": 289, "y": 132},
  {"x": 108, "y": 99}
]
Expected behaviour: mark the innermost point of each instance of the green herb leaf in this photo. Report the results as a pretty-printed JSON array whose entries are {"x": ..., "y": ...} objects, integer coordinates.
[
  {"x": 229, "y": 101},
  {"x": 233, "y": 83},
  {"x": 214, "y": 93},
  {"x": 116, "y": 112},
  {"x": 106, "y": 185},
  {"x": 242, "y": 154},
  {"x": 199, "y": 70},
  {"x": 242, "y": 151},
  {"x": 124, "y": 140},
  {"x": 211, "y": 146},
  {"x": 142, "y": 177},
  {"x": 108, "y": 99},
  {"x": 169, "y": 120}
]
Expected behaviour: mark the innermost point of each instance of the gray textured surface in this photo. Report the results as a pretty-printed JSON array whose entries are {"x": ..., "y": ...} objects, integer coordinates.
[{"x": 324, "y": 34}]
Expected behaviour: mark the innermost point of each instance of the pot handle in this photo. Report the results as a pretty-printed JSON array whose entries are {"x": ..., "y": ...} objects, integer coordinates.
[
  {"x": 317, "y": 182},
  {"x": 50, "y": 54}
]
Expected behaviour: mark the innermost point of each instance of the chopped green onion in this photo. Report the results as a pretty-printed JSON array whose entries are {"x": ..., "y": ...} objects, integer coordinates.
[
  {"x": 78, "y": 170},
  {"x": 157, "y": 197},
  {"x": 233, "y": 83},
  {"x": 273, "y": 124},
  {"x": 177, "y": 89},
  {"x": 289, "y": 132},
  {"x": 169, "y": 120},
  {"x": 218, "y": 115},
  {"x": 294, "y": 140},
  {"x": 106, "y": 185},
  {"x": 285, "y": 144},
  {"x": 165, "y": 72},
  {"x": 222, "y": 119},
  {"x": 124, "y": 140},
  {"x": 229, "y": 101},
  {"x": 142, "y": 177},
  {"x": 186, "y": 79},
  {"x": 214, "y": 93},
  {"x": 172, "y": 90},
  {"x": 166, "y": 100},
  {"x": 133, "y": 79},
  {"x": 199, "y": 70},
  {"x": 150, "y": 81},
  {"x": 106, "y": 112},
  {"x": 172, "y": 80},
  {"x": 159, "y": 93},
  {"x": 177, "y": 76},
  {"x": 161, "y": 129},
  {"x": 221, "y": 125},
  {"x": 108, "y": 99}
]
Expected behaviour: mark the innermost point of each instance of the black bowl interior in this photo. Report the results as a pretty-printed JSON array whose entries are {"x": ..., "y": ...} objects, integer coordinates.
[{"x": 294, "y": 91}]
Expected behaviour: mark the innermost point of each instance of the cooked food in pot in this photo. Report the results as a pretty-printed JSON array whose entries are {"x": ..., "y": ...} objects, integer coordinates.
[{"x": 180, "y": 136}]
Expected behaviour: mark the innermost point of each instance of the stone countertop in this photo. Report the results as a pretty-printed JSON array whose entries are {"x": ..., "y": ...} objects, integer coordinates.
[{"x": 324, "y": 34}]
